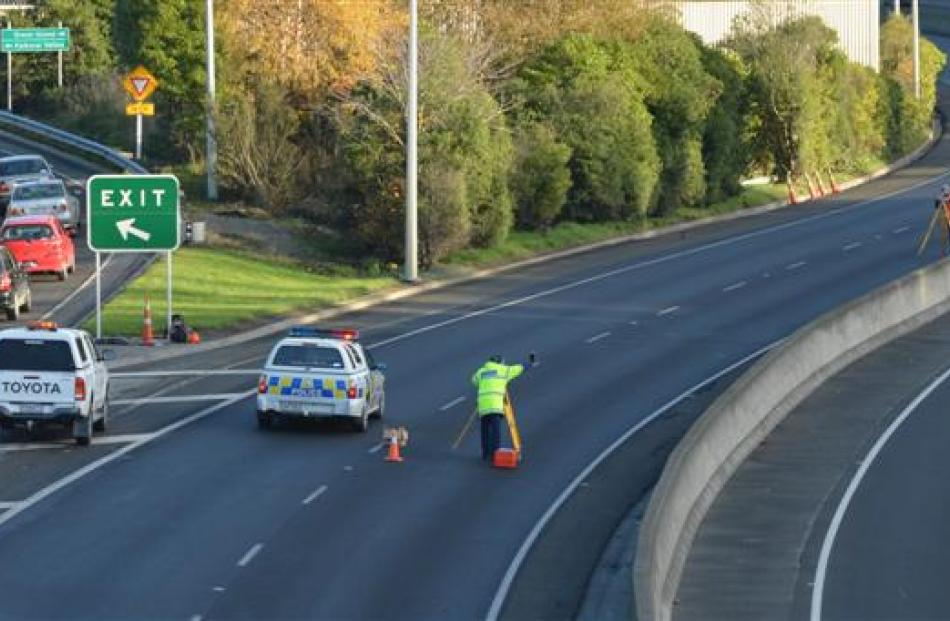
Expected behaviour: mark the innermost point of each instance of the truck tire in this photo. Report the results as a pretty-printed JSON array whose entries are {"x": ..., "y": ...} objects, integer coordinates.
[
  {"x": 381, "y": 410},
  {"x": 82, "y": 430},
  {"x": 28, "y": 304},
  {"x": 101, "y": 424},
  {"x": 13, "y": 312}
]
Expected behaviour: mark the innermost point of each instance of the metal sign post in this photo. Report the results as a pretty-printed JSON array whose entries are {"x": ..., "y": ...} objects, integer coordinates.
[
  {"x": 9, "y": 77},
  {"x": 98, "y": 296},
  {"x": 168, "y": 300},
  {"x": 60, "y": 54},
  {"x": 138, "y": 136}
]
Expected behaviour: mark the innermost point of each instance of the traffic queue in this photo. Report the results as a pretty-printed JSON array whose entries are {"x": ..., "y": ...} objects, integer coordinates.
[{"x": 38, "y": 219}]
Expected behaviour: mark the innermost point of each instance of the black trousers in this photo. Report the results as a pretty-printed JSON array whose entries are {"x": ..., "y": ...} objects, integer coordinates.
[{"x": 491, "y": 434}]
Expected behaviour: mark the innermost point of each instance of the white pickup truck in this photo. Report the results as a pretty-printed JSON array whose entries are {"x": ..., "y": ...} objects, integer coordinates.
[
  {"x": 52, "y": 375},
  {"x": 321, "y": 373}
]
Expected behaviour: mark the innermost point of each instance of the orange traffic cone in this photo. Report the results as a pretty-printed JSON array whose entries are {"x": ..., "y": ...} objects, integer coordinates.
[
  {"x": 811, "y": 187},
  {"x": 393, "y": 449},
  {"x": 193, "y": 337},
  {"x": 147, "y": 337}
]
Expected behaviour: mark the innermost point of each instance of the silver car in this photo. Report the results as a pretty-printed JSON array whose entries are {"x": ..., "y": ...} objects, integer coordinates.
[
  {"x": 38, "y": 198},
  {"x": 17, "y": 168}
]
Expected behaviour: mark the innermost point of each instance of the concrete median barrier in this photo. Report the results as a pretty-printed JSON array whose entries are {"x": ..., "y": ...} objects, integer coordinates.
[{"x": 747, "y": 412}]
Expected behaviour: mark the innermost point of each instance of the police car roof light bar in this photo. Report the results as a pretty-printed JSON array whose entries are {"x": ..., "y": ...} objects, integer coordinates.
[
  {"x": 347, "y": 334},
  {"x": 42, "y": 325}
]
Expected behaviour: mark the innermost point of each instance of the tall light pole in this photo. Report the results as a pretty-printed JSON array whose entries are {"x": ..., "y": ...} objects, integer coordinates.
[
  {"x": 211, "y": 143},
  {"x": 411, "y": 273},
  {"x": 917, "y": 48}
]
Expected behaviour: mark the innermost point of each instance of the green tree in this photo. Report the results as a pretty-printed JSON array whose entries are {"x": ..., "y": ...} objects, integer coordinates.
[
  {"x": 725, "y": 155},
  {"x": 167, "y": 37},
  {"x": 541, "y": 178},
  {"x": 577, "y": 86},
  {"x": 465, "y": 155}
]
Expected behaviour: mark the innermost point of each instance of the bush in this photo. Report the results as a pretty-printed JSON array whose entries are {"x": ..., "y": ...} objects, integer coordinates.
[
  {"x": 576, "y": 85},
  {"x": 541, "y": 178},
  {"x": 258, "y": 157},
  {"x": 725, "y": 157},
  {"x": 465, "y": 155}
]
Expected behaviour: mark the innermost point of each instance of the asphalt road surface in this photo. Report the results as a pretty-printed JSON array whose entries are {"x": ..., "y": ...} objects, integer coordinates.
[
  {"x": 71, "y": 301},
  {"x": 185, "y": 509},
  {"x": 188, "y": 510}
]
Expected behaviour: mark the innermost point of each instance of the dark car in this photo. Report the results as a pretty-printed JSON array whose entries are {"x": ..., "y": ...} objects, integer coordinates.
[{"x": 15, "y": 293}]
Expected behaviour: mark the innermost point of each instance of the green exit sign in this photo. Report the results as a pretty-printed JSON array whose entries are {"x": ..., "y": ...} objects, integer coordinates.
[
  {"x": 132, "y": 213},
  {"x": 18, "y": 40}
]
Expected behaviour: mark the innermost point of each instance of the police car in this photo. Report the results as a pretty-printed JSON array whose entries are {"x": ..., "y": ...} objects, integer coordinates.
[
  {"x": 53, "y": 375},
  {"x": 321, "y": 373}
]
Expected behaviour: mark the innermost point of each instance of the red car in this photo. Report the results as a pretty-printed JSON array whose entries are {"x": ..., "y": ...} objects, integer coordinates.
[{"x": 39, "y": 244}]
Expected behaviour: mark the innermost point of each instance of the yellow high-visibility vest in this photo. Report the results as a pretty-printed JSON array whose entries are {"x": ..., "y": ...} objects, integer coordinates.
[{"x": 492, "y": 382}]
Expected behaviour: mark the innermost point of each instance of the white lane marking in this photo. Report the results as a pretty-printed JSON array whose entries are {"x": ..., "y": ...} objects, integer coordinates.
[
  {"x": 451, "y": 404},
  {"x": 69, "y": 444},
  {"x": 69, "y": 298},
  {"x": 194, "y": 372},
  {"x": 196, "y": 618},
  {"x": 179, "y": 399},
  {"x": 316, "y": 494},
  {"x": 7, "y": 505},
  {"x": 651, "y": 262},
  {"x": 597, "y": 337},
  {"x": 535, "y": 532},
  {"x": 795, "y": 266},
  {"x": 250, "y": 554},
  {"x": 852, "y": 246},
  {"x": 219, "y": 589},
  {"x": 738, "y": 285},
  {"x": 74, "y": 476},
  {"x": 821, "y": 571},
  {"x": 667, "y": 311},
  {"x": 348, "y": 468},
  {"x": 903, "y": 229},
  {"x": 634, "y": 322},
  {"x": 376, "y": 448}
]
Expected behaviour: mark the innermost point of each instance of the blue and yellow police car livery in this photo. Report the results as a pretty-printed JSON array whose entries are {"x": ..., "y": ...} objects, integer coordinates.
[{"x": 320, "y": 373}]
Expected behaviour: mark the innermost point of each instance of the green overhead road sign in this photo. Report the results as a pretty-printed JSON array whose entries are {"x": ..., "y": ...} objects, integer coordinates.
[
  {"x": 18, "y": 40},
  {"x": 132, "y": 213}
]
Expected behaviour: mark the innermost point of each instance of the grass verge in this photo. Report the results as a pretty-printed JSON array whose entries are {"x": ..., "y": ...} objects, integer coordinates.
[{"x": 219, "y": 288}]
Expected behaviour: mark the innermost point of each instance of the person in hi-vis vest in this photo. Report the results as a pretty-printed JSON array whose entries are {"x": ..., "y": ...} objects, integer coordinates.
[{"x": 491, "y": 380}]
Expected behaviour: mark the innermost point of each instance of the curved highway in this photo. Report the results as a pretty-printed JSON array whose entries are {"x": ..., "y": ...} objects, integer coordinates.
[{"x": 187, "y": 510}]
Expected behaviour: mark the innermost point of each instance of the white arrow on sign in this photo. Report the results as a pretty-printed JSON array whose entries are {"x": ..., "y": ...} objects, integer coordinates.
[{"x": 127, "y": 227}]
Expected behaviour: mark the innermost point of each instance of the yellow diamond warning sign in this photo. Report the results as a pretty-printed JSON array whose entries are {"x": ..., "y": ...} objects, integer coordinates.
[{"x": 140, "y": 83}]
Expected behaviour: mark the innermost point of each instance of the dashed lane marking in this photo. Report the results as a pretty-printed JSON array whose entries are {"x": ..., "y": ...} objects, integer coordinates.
[
  {"x": 667, "y": 311},
  {"x": 451, "y": 404},
  {"x": 377, "y": 448},
  {"x": 738, "y": 285},
  {"x": 316, "y": 494},
  {"x": 250, "y": 554},
  {"x": 795, "y": 266},
  {"x": 598, "y": 337},
  {"x": 852, "y": 246},
  {"x": 902, "y": 229}
]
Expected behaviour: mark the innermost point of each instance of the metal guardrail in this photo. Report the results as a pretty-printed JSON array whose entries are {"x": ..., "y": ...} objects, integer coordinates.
[{"x": 77, "y": 142}]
